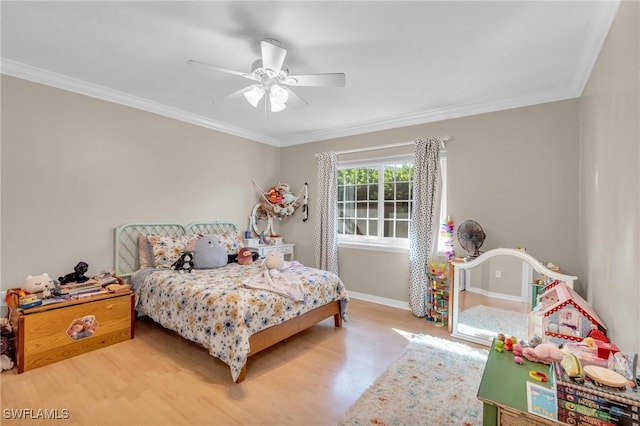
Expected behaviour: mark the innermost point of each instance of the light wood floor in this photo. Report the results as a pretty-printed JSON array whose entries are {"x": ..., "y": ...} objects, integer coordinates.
[{"x": 160, "y": 379}]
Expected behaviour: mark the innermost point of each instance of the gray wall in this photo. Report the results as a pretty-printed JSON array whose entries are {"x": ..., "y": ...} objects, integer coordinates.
[
  {"x": 609, "y": 228},
  {"x": 515, "y": 172},
  {"x": 74, "y": 167},
  {"x": 560, "y": 179}
]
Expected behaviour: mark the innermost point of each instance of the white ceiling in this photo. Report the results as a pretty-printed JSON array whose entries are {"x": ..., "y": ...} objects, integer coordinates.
[{"x": 405, "y": 62}]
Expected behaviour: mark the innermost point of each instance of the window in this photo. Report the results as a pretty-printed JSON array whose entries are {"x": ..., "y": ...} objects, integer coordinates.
[{"x": 375, "y": 200}]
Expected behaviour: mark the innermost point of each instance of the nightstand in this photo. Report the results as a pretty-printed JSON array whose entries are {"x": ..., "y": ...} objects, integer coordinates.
[{"x": 264, "y": 249}]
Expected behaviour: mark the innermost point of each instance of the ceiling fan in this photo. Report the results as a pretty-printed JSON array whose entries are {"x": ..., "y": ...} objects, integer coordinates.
[{"x": 273, "y": 81}]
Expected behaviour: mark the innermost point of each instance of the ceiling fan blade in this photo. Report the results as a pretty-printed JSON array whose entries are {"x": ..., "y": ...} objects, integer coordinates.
[
  {"x": 228, "y": 71},
  {"x": 330, "y": 79},
  {"x": 272, "y": 54},
  {"x": 295, "y": 100}
]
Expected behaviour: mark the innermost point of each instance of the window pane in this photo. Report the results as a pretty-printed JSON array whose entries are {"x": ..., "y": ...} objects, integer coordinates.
[
  {"x": 349, "y": 209},
  {"x": 362, "y": 210},
  {"x": 349, "y": 226},
  {"x": 340, "y": 192},
  {"x": 361, "y": 191},
  {"x": 373, "y": 192},
  {"x": 373, "y": 227},
  {"x": 350, "y": 193},
  {"x": 341, "y": 177},
  {"x": 402, "y": 210},
  {"x": 402, "y": 229},
  {"x": 373, "y": 210},
  {"x": 373, "y": 175},
  {"x": 388, "y": 191},
  {"x": 388, "y": 228},
  {"x": 340, "y": 209},
  {"x": 362, "y": 176},
  {"x": 389, "y": 212},
  {"x": 349, "y": 176},
  {"x": 362, "y": 227},
  {"x": 402, "y": 191}
]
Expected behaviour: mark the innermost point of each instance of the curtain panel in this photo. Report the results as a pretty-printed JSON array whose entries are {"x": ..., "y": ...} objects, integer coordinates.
[
  {"x": 326, "y": 232},
  {"x": 424, "y": 220}
]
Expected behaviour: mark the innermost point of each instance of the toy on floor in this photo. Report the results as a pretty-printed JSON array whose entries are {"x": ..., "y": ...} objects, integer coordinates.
[{"x": 6, "y": 350}]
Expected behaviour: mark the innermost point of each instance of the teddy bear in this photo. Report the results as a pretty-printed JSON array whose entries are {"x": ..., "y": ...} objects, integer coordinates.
[
  {"x": 209, "y": 253},
  {"x": 37, "y": 283},
  {"x": 184, "y": 263}
]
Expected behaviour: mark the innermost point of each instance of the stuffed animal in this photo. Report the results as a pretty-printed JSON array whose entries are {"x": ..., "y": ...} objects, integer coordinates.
[
  {"x": 274, "y": 260},
  {"x": 77, "y": 276},
  {"x": 543, "y": 353},
  {"x": 245, "y": 257},
  {"x": 184, "y": 263},
  {"x": 37, "y": 283},
  {"x": 209, "y": 253},
  {"x": 6, "y": 349}
]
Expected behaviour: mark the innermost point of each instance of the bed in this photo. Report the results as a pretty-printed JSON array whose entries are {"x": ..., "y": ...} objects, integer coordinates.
[{"x": 215, "y": 308}]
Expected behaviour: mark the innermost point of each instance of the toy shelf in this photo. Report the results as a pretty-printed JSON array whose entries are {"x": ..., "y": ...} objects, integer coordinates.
[{"x": 437, "y": 297}]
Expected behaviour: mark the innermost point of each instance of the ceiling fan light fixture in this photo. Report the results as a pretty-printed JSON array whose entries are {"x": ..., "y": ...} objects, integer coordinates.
[
  {"x": 278, "y": 94},
  {"x": 277, "y": 107},
  {"x": 254, "y": 95}
]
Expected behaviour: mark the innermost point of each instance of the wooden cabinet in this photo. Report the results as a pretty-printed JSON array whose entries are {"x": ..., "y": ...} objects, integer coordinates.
[
  {"x": 264, "y": 249},
  {"x": 47, "y": 334}
]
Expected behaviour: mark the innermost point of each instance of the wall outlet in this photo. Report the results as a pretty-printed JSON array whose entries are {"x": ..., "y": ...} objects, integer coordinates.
[{"x": 498, "y": 274}]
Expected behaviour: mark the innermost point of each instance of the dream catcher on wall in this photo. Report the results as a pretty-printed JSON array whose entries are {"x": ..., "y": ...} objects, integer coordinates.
[{"x": 277, "y": 202}]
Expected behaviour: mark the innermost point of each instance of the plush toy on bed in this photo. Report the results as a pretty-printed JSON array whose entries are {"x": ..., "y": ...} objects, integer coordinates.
[
  {"x": 274, "y": 260},
  {"x": 209, "y": 253},
  {"x": 184, "y": 263},
  {"x": 245, "y": 256}
]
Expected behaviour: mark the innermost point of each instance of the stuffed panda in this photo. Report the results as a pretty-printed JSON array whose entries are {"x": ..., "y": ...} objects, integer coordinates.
[{"x": 184, "y": 263}]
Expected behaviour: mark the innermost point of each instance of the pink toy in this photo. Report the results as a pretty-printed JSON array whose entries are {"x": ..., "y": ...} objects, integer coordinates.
[
  {"x": 518, "y": 360},
  {"x": 517, "y": 349},
  {"x": 543, "y": 353}
]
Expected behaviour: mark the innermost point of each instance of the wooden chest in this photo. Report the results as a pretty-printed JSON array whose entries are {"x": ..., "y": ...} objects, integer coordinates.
[{"x": 51, "y": 333}]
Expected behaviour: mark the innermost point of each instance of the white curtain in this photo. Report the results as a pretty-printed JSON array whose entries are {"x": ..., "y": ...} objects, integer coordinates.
[
  {"x": 424, "y": 219},
  {"x": 326, "y": 235}
]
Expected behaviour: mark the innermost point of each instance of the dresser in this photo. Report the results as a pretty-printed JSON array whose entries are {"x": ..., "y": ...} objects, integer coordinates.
[{"x": 264, "y": 249}]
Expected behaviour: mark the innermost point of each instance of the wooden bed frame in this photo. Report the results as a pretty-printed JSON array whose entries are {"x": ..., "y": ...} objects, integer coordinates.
[{"x": 126, "y": 262}]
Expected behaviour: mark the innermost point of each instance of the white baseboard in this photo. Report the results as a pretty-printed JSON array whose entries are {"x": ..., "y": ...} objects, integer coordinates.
[
  {"x": 501, "y": 296},
  {"x": 379, "y": 300}
]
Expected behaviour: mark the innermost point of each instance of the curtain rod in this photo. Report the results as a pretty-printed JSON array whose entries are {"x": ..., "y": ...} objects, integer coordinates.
[{"x": 443, "y": 140}]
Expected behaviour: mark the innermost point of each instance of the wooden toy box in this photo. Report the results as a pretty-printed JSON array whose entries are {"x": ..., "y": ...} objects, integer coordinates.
[{"x": 47, "y": 334}]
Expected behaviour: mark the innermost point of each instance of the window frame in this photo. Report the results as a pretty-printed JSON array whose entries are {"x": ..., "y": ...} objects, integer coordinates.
[{"x": 394, "y": 244}]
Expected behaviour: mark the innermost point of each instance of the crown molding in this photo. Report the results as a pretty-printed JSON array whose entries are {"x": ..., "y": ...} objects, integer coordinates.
[
  {"x": 430, "y": 116},
  {"x": 38, "y": 75},
  {"x": 604, "y": 13}
]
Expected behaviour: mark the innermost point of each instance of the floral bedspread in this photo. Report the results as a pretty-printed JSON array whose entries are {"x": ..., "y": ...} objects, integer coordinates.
[{"x": 213, "y": 308}]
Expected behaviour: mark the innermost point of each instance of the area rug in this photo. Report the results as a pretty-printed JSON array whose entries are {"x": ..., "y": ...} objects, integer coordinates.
[
  {"x": 434, "y": 382},
  {"x": 486, "y": 322}
]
